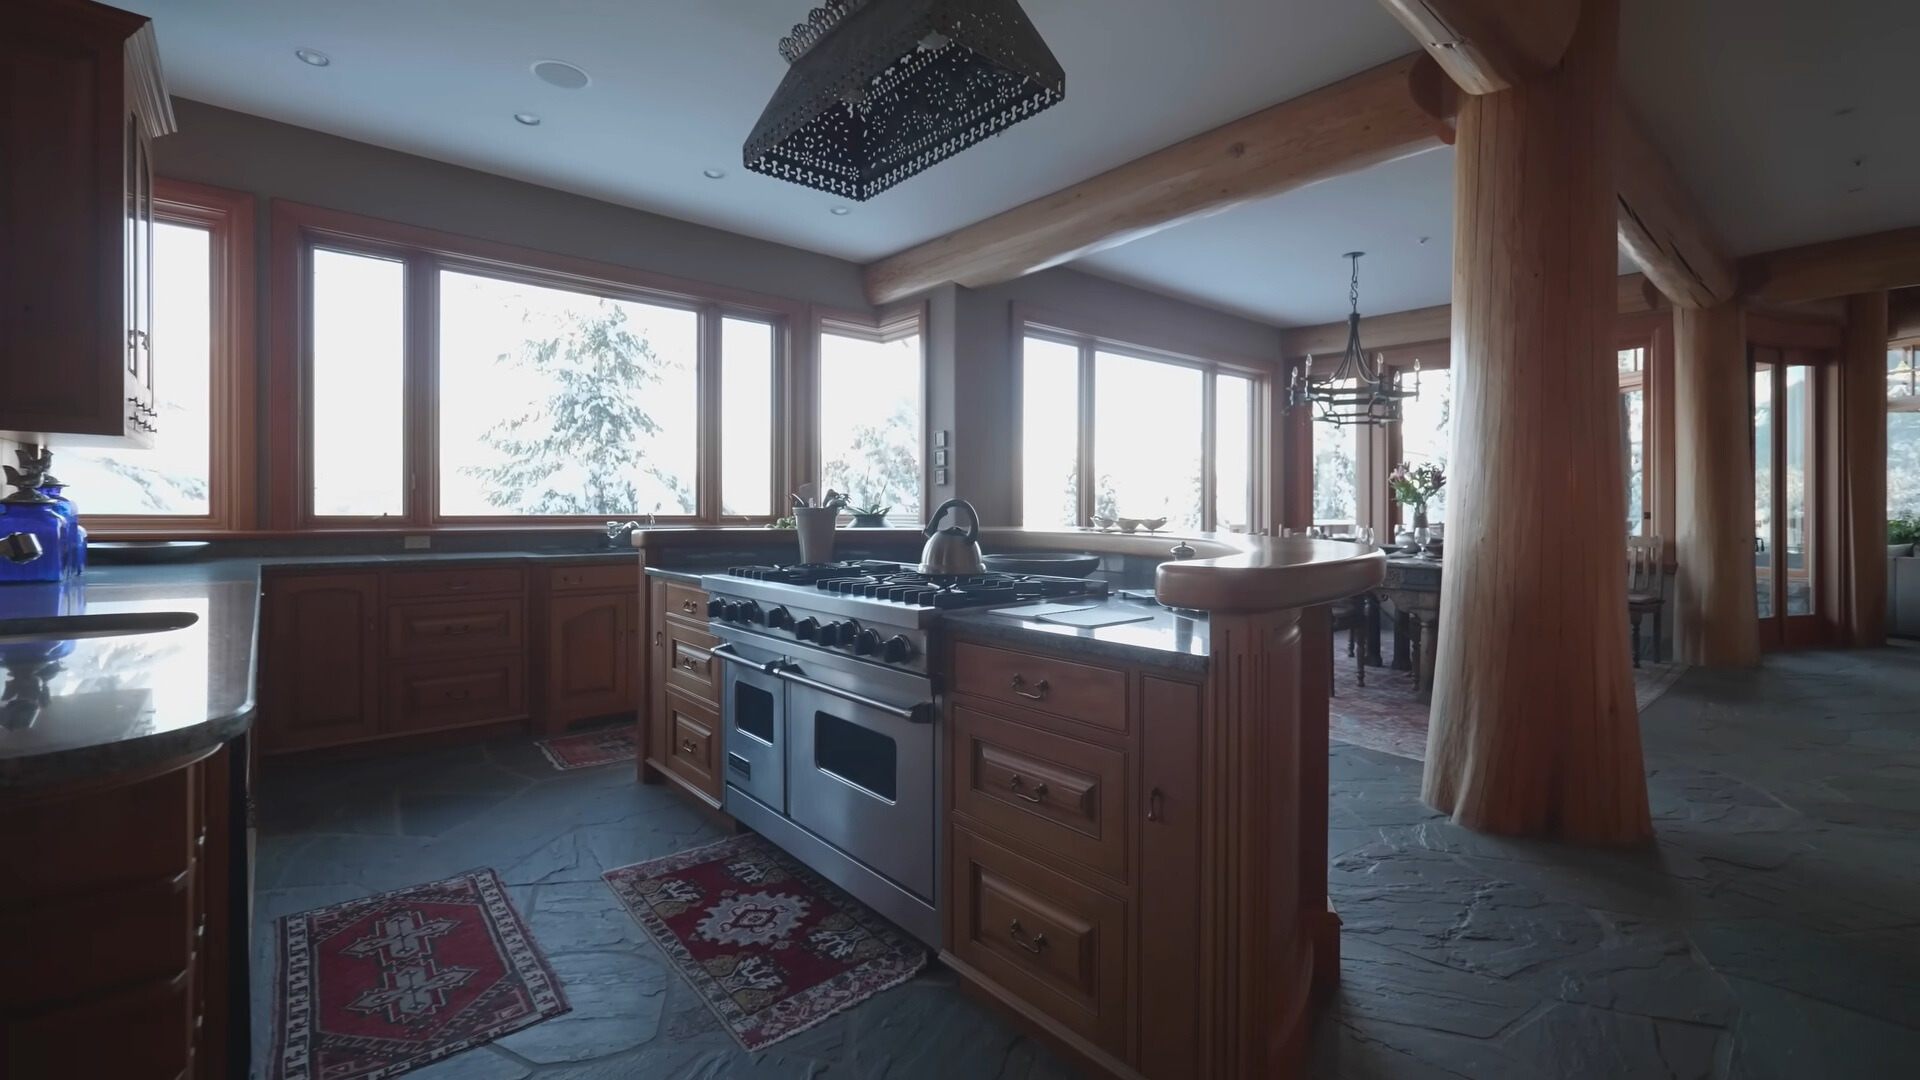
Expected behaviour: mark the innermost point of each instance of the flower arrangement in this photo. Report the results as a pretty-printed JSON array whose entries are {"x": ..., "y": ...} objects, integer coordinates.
[{"x": 1414, "y": 485}]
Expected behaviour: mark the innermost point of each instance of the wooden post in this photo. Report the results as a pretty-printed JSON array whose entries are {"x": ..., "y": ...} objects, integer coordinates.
[
  {"x": 1863, "y": 464},
  {"x": 1534, "y": 728},
  {"x": 1715, "y": 619}
]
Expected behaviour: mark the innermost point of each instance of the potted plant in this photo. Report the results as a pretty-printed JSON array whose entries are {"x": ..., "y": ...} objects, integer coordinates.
[
  {"x": 872, "y": 516},
  {"x": 1413, "y": 485}
]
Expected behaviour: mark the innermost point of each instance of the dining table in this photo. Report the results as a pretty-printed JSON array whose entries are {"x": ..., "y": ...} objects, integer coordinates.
[{"x": 1411, "y": 584}]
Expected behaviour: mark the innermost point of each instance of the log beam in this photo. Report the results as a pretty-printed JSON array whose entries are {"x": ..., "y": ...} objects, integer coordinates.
[
  {"x": 1490, "y": 45},
  {"x": 1714, "y": 612},
  {"x": 1364, "y": 120},
  {"x": 1848, "y": 267},
  {"x": 1661, "y": 228},
  {"x": 1534, "y": 729},
  {"x": 1634, "y": 294}
]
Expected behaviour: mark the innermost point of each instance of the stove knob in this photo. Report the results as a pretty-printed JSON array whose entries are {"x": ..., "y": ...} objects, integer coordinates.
[
  {"x": 830, "y": 633},
  {"x": 898, "y": 650},
  {"x": 730, "y": 611},
  {"x": 749, "y": 611},
  {"x": 716, "y": 608},
  {"x": 806, "y": 628},
  {"x": 780, "y": 618},
  {"x": 866, "y": 641}
]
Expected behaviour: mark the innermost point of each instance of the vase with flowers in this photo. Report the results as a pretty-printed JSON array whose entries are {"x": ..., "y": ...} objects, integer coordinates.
[{"x": 1412, "y": 487}]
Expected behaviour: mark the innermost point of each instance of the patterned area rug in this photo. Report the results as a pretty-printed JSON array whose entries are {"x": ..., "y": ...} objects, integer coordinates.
[
  {"x": 589, "y": 748},
  {"x": 373, "y": 988},
  {"x": 1385, "y": 715},
  {"x": 771, "y": 947}
]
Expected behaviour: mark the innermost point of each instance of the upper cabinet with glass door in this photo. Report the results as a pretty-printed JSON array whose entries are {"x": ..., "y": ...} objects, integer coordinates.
[{"x": 77, "y": 353}]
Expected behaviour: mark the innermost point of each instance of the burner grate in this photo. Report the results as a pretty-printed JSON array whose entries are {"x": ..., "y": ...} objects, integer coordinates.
[
  {"x": 809, "y": 573},
  {"x": 957, "y": 591}
]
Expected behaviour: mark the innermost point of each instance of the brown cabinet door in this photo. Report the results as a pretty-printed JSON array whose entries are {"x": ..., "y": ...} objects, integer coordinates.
[
  {"x": 320, "y": 660},
  {"x": 692, "y": 747},
  {"x": 588, "y": 670},
  {"x": 1169, "y": 878}
]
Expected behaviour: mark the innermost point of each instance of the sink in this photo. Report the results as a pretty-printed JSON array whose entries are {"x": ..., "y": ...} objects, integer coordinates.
[{"x": 71, "y": 627}]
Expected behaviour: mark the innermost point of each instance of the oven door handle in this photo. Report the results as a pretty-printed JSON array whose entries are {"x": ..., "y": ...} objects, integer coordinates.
[
  {"x": 725, "y": 649},
  {"x": 913, "y": 714}
]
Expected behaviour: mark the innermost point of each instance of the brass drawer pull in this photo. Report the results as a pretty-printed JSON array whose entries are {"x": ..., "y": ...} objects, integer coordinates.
[
  {"x": 688, "y": 606},
  {"x": 690, "y": 664},
  {"x": 1156, "y": 805},
  {"x": 1034, "y": 946},
  {"x": 1038, "y": 693},
  {"x": 1039, "y": 790},
  {"x": 689, "y": 746},
  {"x": 457, "y": 586},
  {"x": 455, "y": 629}
]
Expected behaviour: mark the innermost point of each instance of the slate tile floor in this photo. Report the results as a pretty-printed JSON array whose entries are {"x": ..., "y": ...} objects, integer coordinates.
[{"x": 1771, "y": 931}]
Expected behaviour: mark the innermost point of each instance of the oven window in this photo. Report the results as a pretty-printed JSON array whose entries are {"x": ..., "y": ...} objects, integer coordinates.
[
  {"x": 861, "y": 756},
  {"x": 753, "y": 711}
]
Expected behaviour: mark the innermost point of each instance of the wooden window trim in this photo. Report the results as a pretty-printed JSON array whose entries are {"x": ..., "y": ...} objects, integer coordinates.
[
  {"x": 1088, "y": 338},
  {"x": 295, "y": 228},
  {"x": 232, "y": 482},
  {"x": 891, "y": 323}
]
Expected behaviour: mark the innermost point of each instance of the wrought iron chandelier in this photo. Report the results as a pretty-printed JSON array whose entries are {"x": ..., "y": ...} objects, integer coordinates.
[
  {"x": 878, "y": 90},
  {"x": 1361, "y": 390}
]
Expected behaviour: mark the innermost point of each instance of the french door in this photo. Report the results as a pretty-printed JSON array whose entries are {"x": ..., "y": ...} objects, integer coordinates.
[{"x": 1788, "y": 499}]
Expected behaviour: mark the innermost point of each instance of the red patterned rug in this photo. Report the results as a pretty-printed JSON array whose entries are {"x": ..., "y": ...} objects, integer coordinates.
[
  {"x": 589, "y": 748},
  {"x": 771, "y": 947},
  {"x": 372, "y": 988}
]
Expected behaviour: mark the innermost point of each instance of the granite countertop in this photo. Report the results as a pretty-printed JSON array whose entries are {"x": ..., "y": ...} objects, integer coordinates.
[
  {"x": 1170, "y": 639},
  {"x": 683, "y": 575},
  {"x": 115, "y": 703}
]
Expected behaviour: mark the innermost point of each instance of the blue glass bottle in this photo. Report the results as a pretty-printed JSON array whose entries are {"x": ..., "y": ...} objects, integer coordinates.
[
  {"x": 74, "y": 557},
  {"x": 27, "y": 511}
]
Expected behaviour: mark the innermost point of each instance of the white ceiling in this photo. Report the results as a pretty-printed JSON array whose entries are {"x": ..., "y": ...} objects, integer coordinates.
[{"x": 1742, "y": 94}]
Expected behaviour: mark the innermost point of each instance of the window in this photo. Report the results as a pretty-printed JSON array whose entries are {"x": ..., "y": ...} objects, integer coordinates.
[
  {"x": 1903, "y": 432},
  {"x": 1426, "y": 433},
  {"x": 1336, "y": 468},
  {"x": 440, "y": 379},
  {"x": 192, "y": 478},
  {"x": 869, "y": 416},
  {"x": 1633, "y": 435},
  {"x": 1153, "y": 435}
]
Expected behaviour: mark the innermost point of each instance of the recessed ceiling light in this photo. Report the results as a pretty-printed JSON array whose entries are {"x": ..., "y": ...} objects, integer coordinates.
[
  {"x": 313, "y": 56},
  {"x": 841, "y": 211},
  {"x": 713, "y": 174},
  {"x": 527, "y": 118},
  {"x": 561, "y": 74}
]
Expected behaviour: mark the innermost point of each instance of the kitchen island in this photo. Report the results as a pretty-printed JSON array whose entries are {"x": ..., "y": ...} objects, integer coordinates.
[{"x": 1131, "y": 819}]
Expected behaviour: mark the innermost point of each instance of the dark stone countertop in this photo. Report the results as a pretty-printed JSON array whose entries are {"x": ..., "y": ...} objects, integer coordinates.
[
  {"x": 1169, "y": 640},
  {"x": 116, "y": 703},
  {"x": 683, "y": 576}
]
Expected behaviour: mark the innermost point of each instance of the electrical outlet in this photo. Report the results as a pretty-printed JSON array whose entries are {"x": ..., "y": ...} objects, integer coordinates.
[{"x": 417, "y": 543}]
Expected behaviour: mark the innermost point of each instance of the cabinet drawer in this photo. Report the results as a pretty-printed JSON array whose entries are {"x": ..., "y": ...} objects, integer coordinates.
[
  {"x": 466, "y": 626},
  {"x": 607, "y": 577},
  {"x": 1057, "y": 944},
  {"x": 685, "y": 601},
  {"x": 479, "y": 581},
  {"x": 693, "y": 741},
  {"x": 1090, "y": 695},
  {"x": 1061, "y": 794},
  {"x": 690, "y": 663},
  {"x": 455, "y": 693}
]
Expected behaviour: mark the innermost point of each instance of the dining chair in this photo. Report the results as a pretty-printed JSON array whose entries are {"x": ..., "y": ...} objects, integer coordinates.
[{"x": 1645, "y": 596}]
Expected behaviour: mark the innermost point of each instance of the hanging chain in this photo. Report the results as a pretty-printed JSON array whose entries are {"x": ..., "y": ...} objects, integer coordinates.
[{"x": 1353, "y": 286}]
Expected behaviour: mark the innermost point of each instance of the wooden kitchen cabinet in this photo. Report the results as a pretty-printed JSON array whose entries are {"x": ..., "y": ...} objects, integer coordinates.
[
  {"x": 680, "y": 724},
  {"x": 589, "y": 672},
  {"x": 320, "y": 661},
  {"x": 1074, "y": 851},
  {"x": 81, "y": 99}
]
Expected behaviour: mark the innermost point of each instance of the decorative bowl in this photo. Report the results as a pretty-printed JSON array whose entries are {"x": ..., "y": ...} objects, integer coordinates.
[{"x": 1050, "y": 563}]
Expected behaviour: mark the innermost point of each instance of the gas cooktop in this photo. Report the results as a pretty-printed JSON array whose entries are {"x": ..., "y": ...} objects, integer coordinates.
[{"x": 897, "y": 583}]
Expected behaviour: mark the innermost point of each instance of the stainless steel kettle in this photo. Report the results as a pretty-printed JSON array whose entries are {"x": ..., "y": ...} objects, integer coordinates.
[{"x": 952, "y": 550}]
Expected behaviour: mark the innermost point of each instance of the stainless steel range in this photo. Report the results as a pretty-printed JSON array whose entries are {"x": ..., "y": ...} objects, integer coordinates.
[{"x": 830, "y": 703}]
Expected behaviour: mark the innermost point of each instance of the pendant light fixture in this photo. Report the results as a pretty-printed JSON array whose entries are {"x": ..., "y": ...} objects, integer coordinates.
[
  {"x": 1361, "y": 390},
  {"x": 878, "y": 90}
]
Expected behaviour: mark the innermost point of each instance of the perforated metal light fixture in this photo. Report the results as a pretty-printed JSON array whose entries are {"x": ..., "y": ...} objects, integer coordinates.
[
  {"x": 878, "y": 90},
  {"x": 1362, "y": 389}
]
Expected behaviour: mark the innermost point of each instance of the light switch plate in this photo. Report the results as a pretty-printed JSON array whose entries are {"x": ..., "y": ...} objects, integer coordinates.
[
  {"x": 417, "y": 543},
  {"x": 939, "y": 478}
]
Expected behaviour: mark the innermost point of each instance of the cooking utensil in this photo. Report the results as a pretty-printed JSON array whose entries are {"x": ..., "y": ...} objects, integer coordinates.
[
  {"x": 1055, "y": 563},
  {"x": 952, "y": 550},
  {"x": 806, "y": 495}
]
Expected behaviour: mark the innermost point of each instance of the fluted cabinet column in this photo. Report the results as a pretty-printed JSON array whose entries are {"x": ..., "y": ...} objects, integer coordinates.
[
  {"x": 1534, "y": 729},
  {"x": 1715, "y": 620}
]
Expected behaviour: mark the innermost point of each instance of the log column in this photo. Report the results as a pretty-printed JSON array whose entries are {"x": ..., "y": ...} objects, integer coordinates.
[
  {"x": 1863, "y": 463},
  {"x": 1534, "y": 729},
  {"x": 1715, "y": 619}
]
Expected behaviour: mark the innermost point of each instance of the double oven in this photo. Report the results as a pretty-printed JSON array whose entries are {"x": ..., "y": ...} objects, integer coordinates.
[{"x": 834, "y": 758}]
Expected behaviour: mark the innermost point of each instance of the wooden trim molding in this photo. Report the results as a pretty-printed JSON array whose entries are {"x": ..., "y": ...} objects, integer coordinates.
[{"x": 228, "y": 217}]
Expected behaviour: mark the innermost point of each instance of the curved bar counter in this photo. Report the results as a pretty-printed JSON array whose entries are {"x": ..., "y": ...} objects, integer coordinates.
[{"x": 1260, "y": 939}]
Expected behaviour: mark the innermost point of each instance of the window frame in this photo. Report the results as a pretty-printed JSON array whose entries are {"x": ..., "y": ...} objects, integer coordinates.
[
  {"x": 888, "y": 325},
  {"x": 298, "y": 228},
  {"x": 1033, "y": 323},
  {"x": 232, "y": 480}
]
